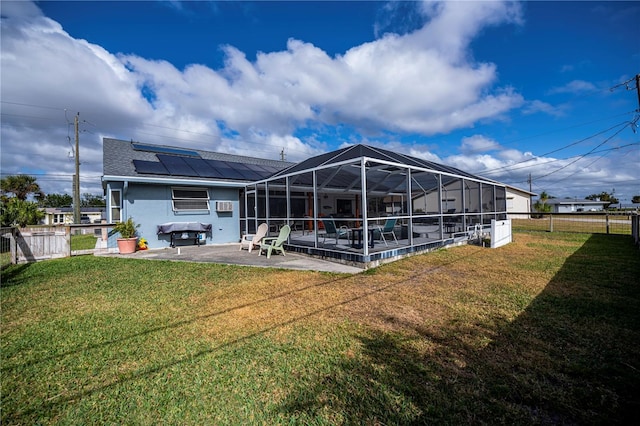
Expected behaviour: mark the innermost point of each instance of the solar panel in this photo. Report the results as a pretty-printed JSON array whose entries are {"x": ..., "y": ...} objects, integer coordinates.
[
  {"x": 263, "y": 170},
  {"x": 269, "y": 170},
  {"x": 203, "y": 168},
  {"x": 164, "y": 150},
  {"x": 249, "y": 171},
  {"x": 230, "y": 170},
  {"x": 151, "y": 167},
  {"x": 176, "y": 165}
]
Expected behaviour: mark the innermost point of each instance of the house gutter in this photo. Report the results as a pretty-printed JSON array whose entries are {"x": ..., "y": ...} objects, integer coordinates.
[{"x": 159, "y": 181}]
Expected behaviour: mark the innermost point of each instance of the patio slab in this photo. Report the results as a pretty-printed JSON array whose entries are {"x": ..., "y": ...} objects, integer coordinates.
[{"x": 230, "y": 255}]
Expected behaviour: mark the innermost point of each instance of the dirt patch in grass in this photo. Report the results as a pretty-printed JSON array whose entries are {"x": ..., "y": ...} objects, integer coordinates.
[{"x": 415, "y": 295}]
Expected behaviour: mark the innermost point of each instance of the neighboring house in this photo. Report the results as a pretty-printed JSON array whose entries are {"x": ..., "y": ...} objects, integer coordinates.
[
  {"x": 475, "y": 197},
  {"x": 156, "y": 185},
  {"x": 518, "y": 201},
  {"x": 64, "y": 215},
  {"x": 575, "y": 205}
]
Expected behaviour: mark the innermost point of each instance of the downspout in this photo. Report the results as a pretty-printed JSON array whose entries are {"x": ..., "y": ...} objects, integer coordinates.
[{"x": 125, "y": 189}]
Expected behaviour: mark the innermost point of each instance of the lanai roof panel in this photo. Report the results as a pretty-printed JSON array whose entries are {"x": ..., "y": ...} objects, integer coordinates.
[{"x": 357, "y": 151}]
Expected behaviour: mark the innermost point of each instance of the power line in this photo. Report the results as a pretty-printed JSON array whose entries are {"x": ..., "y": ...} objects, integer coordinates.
[
  {"x": 27, "y": 116},
  {"x": 581, "y": 156},
  {"x": 575, "y": 156},
  {"x": 607, "y": 150},
  {"x": 560, "y": 130},
  {"x": 32, "y": 105},
  {"x": 585, "y": 167},
  {"x": 512, "y": 166}
]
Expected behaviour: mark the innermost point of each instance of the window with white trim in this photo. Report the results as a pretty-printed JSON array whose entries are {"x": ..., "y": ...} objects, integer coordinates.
[
  {"x": 116, "y": 205},
  {"x": 190, "y": 199}
]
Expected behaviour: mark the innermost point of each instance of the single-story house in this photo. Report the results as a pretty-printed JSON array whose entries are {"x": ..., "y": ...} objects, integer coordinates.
[
  {"x": 64, "y": 215},
  {"x": 157, "y": 185},
  {"x": 575, "y": 205},
  {"x": 519, "y": 202},
  {"x": 357, "y": 204}
]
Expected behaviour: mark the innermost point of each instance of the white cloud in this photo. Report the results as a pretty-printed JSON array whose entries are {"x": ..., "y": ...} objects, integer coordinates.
[
  {"x": 537, "y": 106},
  {"x": 574, "y": 87},
  {"x": 478, "y": 143}
]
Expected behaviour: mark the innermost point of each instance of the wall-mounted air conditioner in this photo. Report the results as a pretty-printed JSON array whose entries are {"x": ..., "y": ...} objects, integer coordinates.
[{"x": 224, "y": 206}]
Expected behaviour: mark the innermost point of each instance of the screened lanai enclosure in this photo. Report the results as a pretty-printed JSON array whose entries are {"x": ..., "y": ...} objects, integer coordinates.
[{"x": 364, "y": 204}]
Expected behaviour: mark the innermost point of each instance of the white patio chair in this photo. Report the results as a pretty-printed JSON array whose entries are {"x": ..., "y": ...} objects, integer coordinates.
[{"x": 253, "y": 240}]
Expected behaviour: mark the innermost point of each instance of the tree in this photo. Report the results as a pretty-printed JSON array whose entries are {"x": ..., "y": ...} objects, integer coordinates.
[
  {"x": 91, "y": 200},
  {"x": 21, "y": 186},
  {"x": 635, "y": 199},
  {"x": 17, "y": 212},
  {"x": 56, "y": 200},
  {"x": 605, "y": 197},
  {"x": 541, "y": 205}
]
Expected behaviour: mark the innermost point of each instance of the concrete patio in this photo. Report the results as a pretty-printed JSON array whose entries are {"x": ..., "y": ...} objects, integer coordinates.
[{"x": 230, "y": 255}]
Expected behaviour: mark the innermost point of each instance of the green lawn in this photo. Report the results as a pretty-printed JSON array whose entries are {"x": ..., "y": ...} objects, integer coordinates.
[
  {"x": 545, "y": 330},
  {"x": 83, "y": 242}
]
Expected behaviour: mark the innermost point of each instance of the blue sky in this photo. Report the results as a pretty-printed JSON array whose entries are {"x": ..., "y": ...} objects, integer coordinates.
[{"x": 501, "y": 89}]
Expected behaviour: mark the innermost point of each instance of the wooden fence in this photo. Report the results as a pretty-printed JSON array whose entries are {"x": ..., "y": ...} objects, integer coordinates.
[{"x": 36, "y": 243}]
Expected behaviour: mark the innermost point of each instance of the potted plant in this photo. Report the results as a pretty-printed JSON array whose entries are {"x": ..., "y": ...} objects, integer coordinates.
[{"x": 128, "y": 240}]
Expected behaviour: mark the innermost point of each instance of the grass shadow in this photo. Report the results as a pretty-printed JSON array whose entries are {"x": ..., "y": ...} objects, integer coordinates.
[{"x": 10, "y": 277}]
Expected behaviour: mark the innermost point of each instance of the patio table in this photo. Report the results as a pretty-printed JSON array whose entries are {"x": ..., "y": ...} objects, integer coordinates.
[
  {"x": 450, "y": 227},
  {"x": 359, "y": 231}
]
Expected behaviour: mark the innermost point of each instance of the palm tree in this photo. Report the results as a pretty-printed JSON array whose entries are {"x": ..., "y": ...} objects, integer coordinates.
[
  {"x": 541, "y": 205},
  {"x": 21, "y": 186}
]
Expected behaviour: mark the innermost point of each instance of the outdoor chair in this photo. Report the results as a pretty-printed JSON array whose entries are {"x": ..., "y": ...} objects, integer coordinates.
[
  {"x": 277, "y": 243},
  {"x": 331, "y": 230},
  {"x": 253, "y": 240},
  {"x": 387, "y": 229}
]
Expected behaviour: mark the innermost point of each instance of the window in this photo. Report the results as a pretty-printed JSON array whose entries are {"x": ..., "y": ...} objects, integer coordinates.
[
  {"x": 344, "y": 207},
  {"x": 510, "y": 203},
  {"x": 190, "y": 199},
  {"x": 116, "y": 205},
  {"x": 58, "y": 218}
]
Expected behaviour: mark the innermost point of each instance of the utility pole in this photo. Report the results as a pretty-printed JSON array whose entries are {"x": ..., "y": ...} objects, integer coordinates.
[
  {"x": 76, "y": 177},
  {"x": 638, "y": 89},
  {"x": 530, "y": 193},
  {"x": 626, "y": 84}
]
